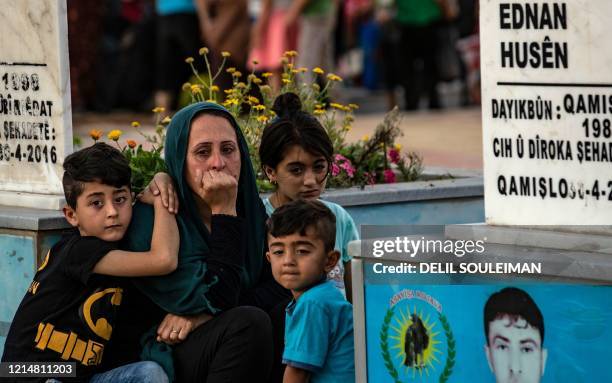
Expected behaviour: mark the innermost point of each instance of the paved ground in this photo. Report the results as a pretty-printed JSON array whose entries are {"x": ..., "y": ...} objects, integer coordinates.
[{"x": 450, "y": 138}]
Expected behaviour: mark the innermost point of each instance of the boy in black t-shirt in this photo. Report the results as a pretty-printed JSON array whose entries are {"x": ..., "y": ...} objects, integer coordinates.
[{"x": 68, "y": 312}]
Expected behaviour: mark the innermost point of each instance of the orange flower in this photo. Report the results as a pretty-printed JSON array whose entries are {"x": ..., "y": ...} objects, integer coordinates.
[
  {"x": 131, "y": 143},
  {"x": 95, "y": 134}
]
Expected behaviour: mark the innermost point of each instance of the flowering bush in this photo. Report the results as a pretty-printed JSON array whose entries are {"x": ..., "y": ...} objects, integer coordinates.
[{"x": 250, "y": 99}]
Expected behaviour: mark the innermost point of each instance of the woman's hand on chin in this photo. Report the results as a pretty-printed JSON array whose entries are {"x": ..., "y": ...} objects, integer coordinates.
[{"x": 218, "y": 189}]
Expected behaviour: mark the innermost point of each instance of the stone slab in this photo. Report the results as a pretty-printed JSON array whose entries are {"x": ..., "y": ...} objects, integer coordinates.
[
  {"x": 14, "y": 218},
  {"x": 35, "y": 111}
]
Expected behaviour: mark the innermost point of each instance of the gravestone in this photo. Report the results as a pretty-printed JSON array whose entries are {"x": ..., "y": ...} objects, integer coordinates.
[
  {"x": 35, "y": 113},
  {"x": 547, "y": 111}
]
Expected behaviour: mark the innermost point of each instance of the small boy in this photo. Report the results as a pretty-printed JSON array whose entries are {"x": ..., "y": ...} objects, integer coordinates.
[
  {"x": 319, "y": 321},
  {"x": 68, "y": 312}
]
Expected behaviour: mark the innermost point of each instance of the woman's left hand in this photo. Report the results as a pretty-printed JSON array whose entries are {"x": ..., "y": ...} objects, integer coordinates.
[
  {"x": 175, "y": 328},
  {"x": 163, "y": 186}
]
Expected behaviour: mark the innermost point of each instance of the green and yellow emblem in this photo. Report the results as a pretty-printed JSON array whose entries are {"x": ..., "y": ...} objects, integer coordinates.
[{"x": 416, "y": 339}]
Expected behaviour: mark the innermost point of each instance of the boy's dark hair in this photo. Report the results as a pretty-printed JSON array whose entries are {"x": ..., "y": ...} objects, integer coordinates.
[
  {"x": 514, "y": 303},
  {"x": 97, "y": 163},
  {"x": 299, "y": 215},
  {"x": 292, "y": 127}
]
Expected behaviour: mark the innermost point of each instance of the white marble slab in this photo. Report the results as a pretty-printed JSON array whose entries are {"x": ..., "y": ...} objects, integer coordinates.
[
  {"x": 35, "y": 114},
  {"x": 567, "y": 77}
]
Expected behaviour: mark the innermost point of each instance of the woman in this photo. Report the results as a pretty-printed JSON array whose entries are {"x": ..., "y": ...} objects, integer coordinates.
[{"x": 221, "y": 262}]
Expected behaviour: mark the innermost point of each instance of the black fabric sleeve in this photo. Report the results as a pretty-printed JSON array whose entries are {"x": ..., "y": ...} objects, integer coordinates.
[
  {"x": 83, "y": 255},
  {"x": 225, "y": 263}
]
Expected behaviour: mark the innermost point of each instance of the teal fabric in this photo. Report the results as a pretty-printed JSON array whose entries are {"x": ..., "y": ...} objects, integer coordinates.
[
  {"x": 183, "y": 292},
  {"x": 319, "y": 335},
  {"x": 171, "y": 7}
]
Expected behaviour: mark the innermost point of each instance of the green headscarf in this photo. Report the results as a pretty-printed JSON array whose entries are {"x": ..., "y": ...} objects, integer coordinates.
[{"x": 184, "y": 291}]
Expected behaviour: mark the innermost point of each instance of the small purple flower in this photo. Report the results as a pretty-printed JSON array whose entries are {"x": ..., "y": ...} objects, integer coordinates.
[{"x": 389, "y": 176}]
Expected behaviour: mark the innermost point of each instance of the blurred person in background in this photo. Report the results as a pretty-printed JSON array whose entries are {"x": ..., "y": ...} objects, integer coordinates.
[
  {"x": 317, "y": 20},
  {"x": 226, "y": 26},
  {"x": 418, "y": 22},
  {"x": 271, "y": 36},
  {"x": 178, "y": 37}
]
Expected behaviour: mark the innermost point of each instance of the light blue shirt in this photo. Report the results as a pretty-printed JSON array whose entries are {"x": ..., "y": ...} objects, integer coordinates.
[
  {"x": 171, "y": 7},
  {"x": 346, "y": 231},
  {"x": 319, "y": 335}
]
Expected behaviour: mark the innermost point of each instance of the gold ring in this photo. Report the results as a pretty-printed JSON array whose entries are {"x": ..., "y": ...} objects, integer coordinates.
[{"x": 174, "y": 331}]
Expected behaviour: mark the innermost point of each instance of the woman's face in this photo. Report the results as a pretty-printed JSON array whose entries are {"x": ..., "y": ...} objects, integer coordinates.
[
  {"x": 212, "y": 146},
  {"x": 299, "y": 175}
]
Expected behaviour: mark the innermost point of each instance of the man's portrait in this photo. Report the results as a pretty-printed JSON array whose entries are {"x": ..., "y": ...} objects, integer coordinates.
[{"x": 514, "y": 330}]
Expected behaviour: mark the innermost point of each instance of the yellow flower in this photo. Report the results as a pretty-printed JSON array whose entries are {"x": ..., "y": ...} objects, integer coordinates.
[
  {"x": 290, "y": 53},
  {"x": 290, "y": 66},
  {"x": 230, "y": 70},
  {"x": 214, "y": 88},
  {"x": 263, "y": 118},
  {"x": 265, "y": 89},
  {"x": 166, "y": 120},
  {"x": 365, "y": 138},
  {"x": 285, "y": 81},
  {"x": 253, "y": 100},
  {"x": 135, "y": 124},
  {"x": 353, "y": 106},
  {"x": 318, "y": 70},
  {"x": 241, "y": 85},
  {"x": 302, "y": 70},
  {"x": 159, "y": 109},
  {"x": 225, "y": 54},
  {"x": 231, "y": 101},
  {"x": 95, "y": 134},
  {"x": 211, "y": 100},
  {"x": 186, "y": 87},
  {"x": 334, "y": 77},
  {"x": 189, "y": 60},
  {"x": 319, "y": 106},
  {"x": 115, "y": 134},
  {"x": 259, "y": 107},
  {"x": 256, "y": 81},
  {"x": 195, "y": 88},
  {"x": 203, "y": 51},
  {"x": 294, "y": 71},
  {"x": 348, "y": 128},
  {"x": 236, "y": 74},
  {"x": 131, "y": 143},
  {"x": 266, "y": 75},
  {"x": 228, "y": 91},
  {"x": 319, "y": 111},
  {"x": 398, "y": 147},
  {"x": 337, "y": 106}
]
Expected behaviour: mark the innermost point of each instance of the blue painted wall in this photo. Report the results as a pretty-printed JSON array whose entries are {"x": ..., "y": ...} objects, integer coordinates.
[{"x": 17, "y": 267}]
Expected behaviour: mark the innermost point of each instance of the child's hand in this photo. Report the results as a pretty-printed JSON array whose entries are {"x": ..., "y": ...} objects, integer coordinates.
[
  {"x": 163, "y": 186},
  {"x": 174, "y": 328}
]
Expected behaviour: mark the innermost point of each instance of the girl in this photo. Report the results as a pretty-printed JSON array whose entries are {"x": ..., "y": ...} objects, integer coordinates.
[{"x": 296, "y": 156}]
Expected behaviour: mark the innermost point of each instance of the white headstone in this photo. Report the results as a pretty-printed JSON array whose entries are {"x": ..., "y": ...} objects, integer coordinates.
[
  {"x": 35, "y": 114},
  {"x": 547, "y": 111}
]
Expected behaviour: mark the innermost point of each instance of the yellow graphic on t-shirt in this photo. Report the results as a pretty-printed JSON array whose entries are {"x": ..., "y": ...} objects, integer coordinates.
[
  {"x": 101, "y": 327},
  {"x": 45, "y": 261},
  {"x": 68, "y": 345}
]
